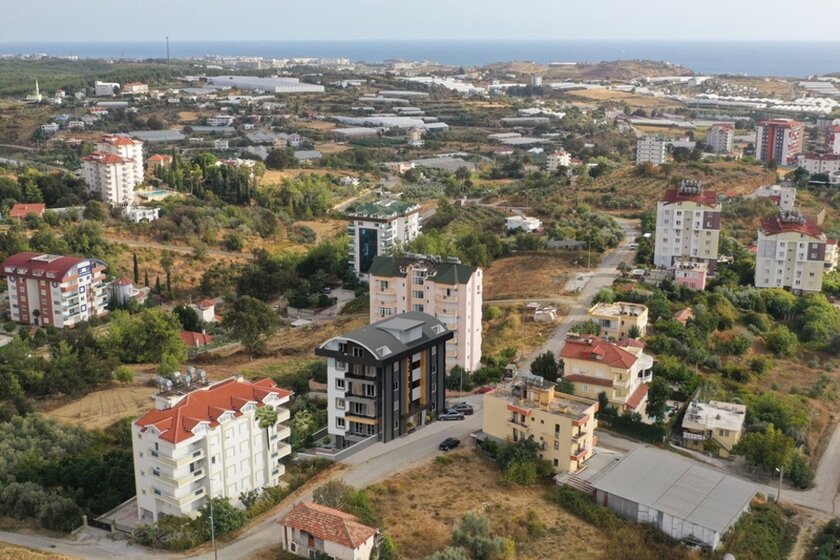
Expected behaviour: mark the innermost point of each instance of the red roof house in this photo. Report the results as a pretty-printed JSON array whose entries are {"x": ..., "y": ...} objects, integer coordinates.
[
  {"x": 196, "y": 339},
  {"x": 308, "y": 523},
  {"x": 21, "y": 211}
]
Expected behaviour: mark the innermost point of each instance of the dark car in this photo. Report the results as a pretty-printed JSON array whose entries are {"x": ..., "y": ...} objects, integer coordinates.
[
  {"x": 449, "y": 444},
  {"x": 463, "y": 408},
  {"x": 451, "y": 415}
]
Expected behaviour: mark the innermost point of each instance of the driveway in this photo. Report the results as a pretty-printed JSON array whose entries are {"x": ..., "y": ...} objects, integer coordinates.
[{"x": 369, "y": 466}]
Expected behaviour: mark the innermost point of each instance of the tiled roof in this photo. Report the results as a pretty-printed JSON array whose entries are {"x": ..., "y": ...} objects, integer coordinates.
[
  {"x": 196, "y": 339},
  {"x": 637, "y": 396},
  {"x": 159, "y": 158},
  {"x": 40, "y": 265},
  {"x": 329, "y": 524},
  {"x": 24, "y": 210},
  {"x": 119, "y": 140},
  {"x": 707, "y": 198},
  {"x": 206, "y": 405},
  {"x": 630, "y": 343},
  {"x": 124, "y": 281},
  {"x": 774, "y": 225},
  {"x": 597, "y": 350},
  {"x": 104, "y": 158},
  {"x": 205, "y": 304}
]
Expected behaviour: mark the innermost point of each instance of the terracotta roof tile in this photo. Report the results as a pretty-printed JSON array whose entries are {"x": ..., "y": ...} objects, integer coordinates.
[
  {"x": 637, "y": 397},
  {"x": 328, "y": 524},
  {"x": 24, "y": 210},
  {"x": 773, "y": 226},
  {"x": 706, "y": 198},
  {"x": 104, "y": 158},
  {"x": 597, "y": 350},
  {"x": 196, "y": 339}
]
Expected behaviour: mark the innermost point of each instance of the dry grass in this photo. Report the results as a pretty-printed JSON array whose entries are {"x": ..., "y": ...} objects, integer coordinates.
[
  {"x": 631, "y": 99},
  {"x": 331, "y": 148},
  {"x": 509, "y": 330},
  {"x": 325, "y": 228},
  {"x": 187, "y": 117},
  {"x": 275, "y": 177},
  {"x": 102, "y": 408},
  {"x": 419, "y": 508},
  {"x": 527, "y": 276},
  {"x": 11, "y": 552},
  {"x": 317, "y": 125}
]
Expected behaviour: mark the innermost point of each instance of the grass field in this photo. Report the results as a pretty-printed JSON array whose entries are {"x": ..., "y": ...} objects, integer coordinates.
[
  {"x": 420, "y": 507},
  {"x": 10, "y": 552},
  {"x": 102, "y": 408},
  {"x": 527, "y": 276},
  {"x": 515, "y": 329}
]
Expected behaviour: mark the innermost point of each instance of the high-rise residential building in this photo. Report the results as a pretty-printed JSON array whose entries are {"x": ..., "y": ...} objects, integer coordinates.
[
  {"x": 779, "y": 140},
  {"x": 834, "y": 140},
  {"x": 377, "y": 228},
  {"x": 444, "y": 288},
  {"x": 651, "y": 149},
  {"x": 114, "y": 169},
  {"x": 687, "y": 225},
  {"x": 620, "y": 370},
  {"x": 204, "y": 441},
  {"x": 791, "y": 253},
  {"x": 819, "y": 163},
  {"x": 385, "y": 379},
  {"x": 720, "y": 137},
  {"x": 529, "y": 406},
  {"x": 55, "y": 291},
  {"x": 556, "y": 160}
]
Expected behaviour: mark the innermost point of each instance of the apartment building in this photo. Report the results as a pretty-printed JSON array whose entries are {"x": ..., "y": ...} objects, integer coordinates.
[
  {"x": 135, "y": 88},
  {"x": 314, "y": 531},
  {"x": 618, "y": 319},
  {"x": 783, "y": 196},
  {"x": 779, "y": 140},
  {"x": 114, "y": 169},
  {"x": 621, "y": 370},
  {"x": 833, "y": 138},
  {"x": 558, "y": 159},
  {"x": 527, "y": 224},
  {"x": 105, "y": 89},
  {"x": 651, "y": 149},
  {"x": 687, "y": 225},
  {"x": 386, "y": 378},
  {"x": 528, "y": 406},
  {"x": 720, "y": 137},
  {"x": 377, "y": 228},
  {"x": 206, "y": 441},
  {"x": 127, "y": 148},
  {"x": 691, "y": 274},
  {"x": 53, "y": 290},
  {"x": 819, "y": 163},
  {"x": 791, "y": 253},
  {"x": 444, "y": 288},
  {"x": 715, "y": 421}
]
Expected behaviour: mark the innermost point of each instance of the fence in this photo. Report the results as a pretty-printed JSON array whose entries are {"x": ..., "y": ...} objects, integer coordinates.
[{"x": 335, "y": 456}]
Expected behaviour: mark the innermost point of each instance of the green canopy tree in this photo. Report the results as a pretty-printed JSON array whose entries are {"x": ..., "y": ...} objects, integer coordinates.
[{"x": 252, "y": 322}]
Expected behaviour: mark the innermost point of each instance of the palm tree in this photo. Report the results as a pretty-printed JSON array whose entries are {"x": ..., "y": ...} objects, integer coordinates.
[{"x": 266, "y": 418}]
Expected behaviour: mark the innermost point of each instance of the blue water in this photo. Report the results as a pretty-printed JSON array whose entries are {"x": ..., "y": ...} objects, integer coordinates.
[{"x": 788, "y": 59}]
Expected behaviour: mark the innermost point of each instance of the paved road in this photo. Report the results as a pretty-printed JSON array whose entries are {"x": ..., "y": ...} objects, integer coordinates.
[
  {"x": 602, "y": 277},
  {"x": 371, "y": 465}
]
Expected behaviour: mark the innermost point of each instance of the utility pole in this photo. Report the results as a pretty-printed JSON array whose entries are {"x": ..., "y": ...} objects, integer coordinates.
[{"x": 781, "y": 474}]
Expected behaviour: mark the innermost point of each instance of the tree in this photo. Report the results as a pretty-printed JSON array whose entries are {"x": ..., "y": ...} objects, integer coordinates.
[
  {"x": 771, "y": 449},
  {"x": 603, "y": 402},
  {"x": 252, "y": 322},
  {"x": 123, "y": 374},
  {"x": 332, "y": 494},
  {"x": 225, "y": 518},
  {"x": 136, "y": 268},
  {"x": 146, "y": 278},
  {"x": 781, "y": 341},
  {"x": 658, "y": 394},
  {"x": 281, "y": 159},
  {"x": 95, "y": 211},
  {"x": 473, "y": 534},
  {"x": 450, "y": 553},
  {"x": 166, "y": 262},
  {"x": 545, "y": 365},
  {"x": 188, "y": 317},
  {"x": 266, "y": 418}
]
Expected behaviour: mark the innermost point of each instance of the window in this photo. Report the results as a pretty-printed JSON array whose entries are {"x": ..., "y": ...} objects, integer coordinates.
[
  {"x": 418, "y": 307},
  {"x": 342, "y": 347},
  {"x": 396, "y": 383},
  {"x": 293, "y": 546},
  {"x": 339, "y": 422},
  {"x": 397, "y": 424},
  {"x": 357, "y": 352},
  {"x": 370, "y": 391},
  {"x": 340, "y": 366},
  {"x": 339, "y": 383},
  {"x": 339, "y": 404},
  {"x": 383, "y": 284},
  {"x": 556, "y": 445},
  {"x": 417, "y": 294}
]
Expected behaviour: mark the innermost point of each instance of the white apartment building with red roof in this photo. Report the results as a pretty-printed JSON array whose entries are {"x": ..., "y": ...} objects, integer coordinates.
[
  {"x": 52, "y": 290},
  {"x": 114, "y": 169},
  {"x": 208, "y": 442}
]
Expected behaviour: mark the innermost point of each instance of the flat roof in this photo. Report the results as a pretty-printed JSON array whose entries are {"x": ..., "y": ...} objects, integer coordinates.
[
  {"x": 679, "y": 487},
  {"x": 617, "y": 309},
  {"x": 715, "y": 415},
  {"x": 562, "y": 404}
]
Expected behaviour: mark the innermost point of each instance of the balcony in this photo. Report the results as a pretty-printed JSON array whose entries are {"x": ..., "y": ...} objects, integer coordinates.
[
  {"x": 166, "y": 479},
  {"x": 180, "y": 461},
  {"x": 578, "y": 454},
  {"x": 283, "y": 414},
  {"x": 283, "y": 450},
  {"x": 416, "y": 393},
  {"x": 283, "y": 432},
  {"x": 577, "y": 437},
  {"x": 416, "y": 373}
]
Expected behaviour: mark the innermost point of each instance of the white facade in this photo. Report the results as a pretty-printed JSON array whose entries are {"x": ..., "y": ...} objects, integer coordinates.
[
  {"x": 556, "y": 160},
  {"x": 51, "y": 290},
  {"x": 449, "y": 291},
  {"x": 135, "y": 88},
  {"x": 651, "y": 149},
  {"x": 220, "y": 120},
  {"x": 720, "y": 137},
  {"x": 525, "y": 223},
  {"x": 784, "y": 196},
  {"x": 221, "y": 144},
  {"x": 114, "y": 169},
  {"x": 819, "y": 163},
  {"x": 105, "y": 89},
  {"x": 49, "y": 128},
  {"x": 687, "y": 226},
  {"x": 379, "y": 228},
  {"x": 791, "y": 253},
  {"x": 139, "y": 214},
  {"x": 208, "y": 443}
]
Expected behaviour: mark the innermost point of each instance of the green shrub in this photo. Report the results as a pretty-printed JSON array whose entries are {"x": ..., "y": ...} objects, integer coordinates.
[
  {"x": 492, "y": 312},
  {"x": 580, "y": 505}
]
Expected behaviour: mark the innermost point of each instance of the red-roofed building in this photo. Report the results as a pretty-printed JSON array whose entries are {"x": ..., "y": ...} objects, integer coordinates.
[
  {"x": 206, "y": 310},
  {"x": 207, "y": 440},
  {"x": 791, "y": 253},
  {"x": 157, "y": 160},
  {"x": 687, "y": 226},
  {"x": 595, "y": 365},
  {"x": 721, "y": 137},
  {"x": 311, "y": 530},
  {"x": 52, "y": 290},
  {"x": 196, "y": 339},
  {"x": 114, "y": 169},
  {"x": 779, "y": 140},
  {"x": 21, "y": 211}
]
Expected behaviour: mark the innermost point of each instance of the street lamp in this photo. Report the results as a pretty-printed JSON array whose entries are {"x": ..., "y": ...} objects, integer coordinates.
[{"x": 781, "y": 471}]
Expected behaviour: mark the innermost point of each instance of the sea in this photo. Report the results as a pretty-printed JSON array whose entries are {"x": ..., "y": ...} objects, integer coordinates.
[{"x": 754, "y": 58}]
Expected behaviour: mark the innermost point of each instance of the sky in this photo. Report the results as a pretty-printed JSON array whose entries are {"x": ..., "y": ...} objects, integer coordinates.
[{"x": 226, "y": 20}]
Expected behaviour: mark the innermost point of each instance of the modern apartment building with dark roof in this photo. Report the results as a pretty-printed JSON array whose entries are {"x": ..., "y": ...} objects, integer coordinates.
[
  {"x": 385, "y": 379},
  {"x": 377, "y": 228},
  {"x": 442, "y": 287}
]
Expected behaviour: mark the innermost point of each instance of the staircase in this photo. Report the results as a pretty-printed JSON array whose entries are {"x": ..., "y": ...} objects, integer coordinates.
[{"x": 573, "y": 481}]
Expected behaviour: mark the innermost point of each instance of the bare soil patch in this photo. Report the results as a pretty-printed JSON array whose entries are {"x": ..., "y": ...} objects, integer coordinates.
[
  {"x": 527, "y": 276},
  {"x": 100, "y": 409}
]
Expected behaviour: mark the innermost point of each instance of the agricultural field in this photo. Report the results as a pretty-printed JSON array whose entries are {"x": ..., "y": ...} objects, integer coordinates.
[
  {"x": 420, "y": 507},
  {"x": 631, "y": 99},
  {"x": 489, "y": 218},
  {"x": 100, "y": 409},
  {"x": 527, "y": 276}
]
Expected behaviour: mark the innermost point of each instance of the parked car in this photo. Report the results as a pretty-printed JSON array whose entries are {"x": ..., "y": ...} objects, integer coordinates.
[
  {"x": 451, "y": 415},
  {"x": 449, "y": 444},
  {"x": 462, "y": 407},
  {"x": 633, "y": 246}
]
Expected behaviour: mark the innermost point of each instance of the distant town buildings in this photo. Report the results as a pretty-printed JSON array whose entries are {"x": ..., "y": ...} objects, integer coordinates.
[
  {"x": 721, "y": 137},
  {"x": 377, "y": 228},
  {"x": 687, "y": 225},
  {"x": 714, "y": 426},
  {"x": 556, "y": 160},
  {"x": 620, "y": 370},
  {"x": 105, "y": 89},
  {"x": 791, "y": 253},
  {"x": 779, "y": 140},
  {"x": 385, "y": 379},
  {"x": 651, "y": 149},
  {"x": 783, "y": 196},
  {"x": 271, "y": 84},
  {"x": 619, "y": 320},
  {"x": 124, "y": 291},
  {"x": 444, "y": 288},
  {"x": 53, "y": 290},
  {"x": 135, "y": 88},
  {"x": 207, "y": 441},
  {"x": 529, "y": 406},
  {"x": 691, "y": 274}
]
